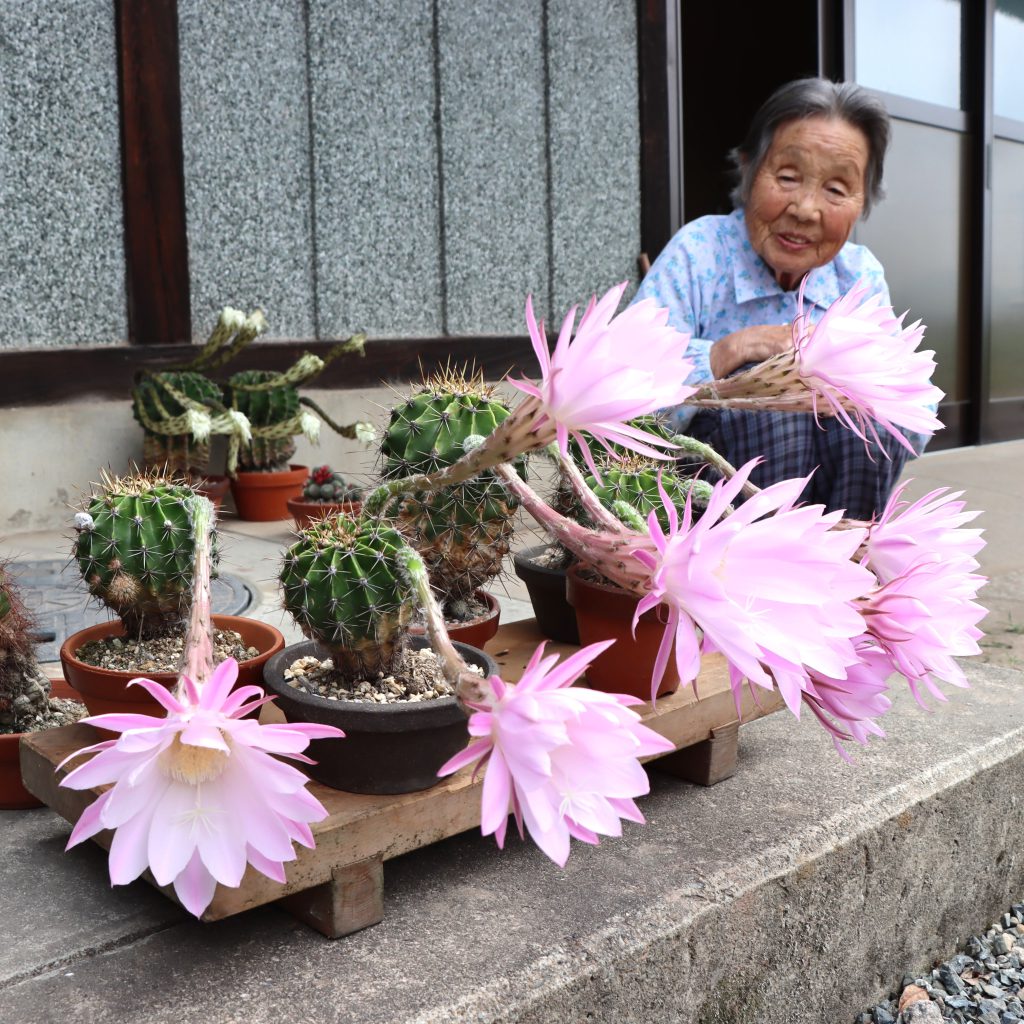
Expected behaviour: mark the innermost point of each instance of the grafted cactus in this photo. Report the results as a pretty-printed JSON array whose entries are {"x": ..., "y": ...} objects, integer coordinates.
[
  {"x": 25, "y": 703},
  {"x": 135, "y": 550},
  {"x": 344, "y": 585},
  {"x": 326, "y": 485},
  {"x": 462, "y": 532},
  {"x": 277, "y": 414}
]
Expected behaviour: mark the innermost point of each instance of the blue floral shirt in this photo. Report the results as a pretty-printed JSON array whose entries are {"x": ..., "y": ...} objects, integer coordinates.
[{"x": 713, "y": 283}]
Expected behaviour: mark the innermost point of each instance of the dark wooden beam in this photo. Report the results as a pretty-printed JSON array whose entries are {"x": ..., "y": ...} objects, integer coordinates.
[
  {"x": 48, "y": 376},
  {"x": 153, "y": 174}
]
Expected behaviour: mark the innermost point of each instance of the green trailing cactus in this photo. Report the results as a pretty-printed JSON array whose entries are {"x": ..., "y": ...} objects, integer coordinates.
[
  {"x": 463, "y": 532},
  {"x": 345, "y": 586},
  {"x": 25, "y": 702},
  {"x": 180, "y": 408},
  {"x": 135, "y": 550},
  {"x": 276, "y": 413}
]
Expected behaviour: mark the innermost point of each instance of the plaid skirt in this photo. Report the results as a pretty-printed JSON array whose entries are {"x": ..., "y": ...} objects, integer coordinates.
[{"x": 847, "y": 474}]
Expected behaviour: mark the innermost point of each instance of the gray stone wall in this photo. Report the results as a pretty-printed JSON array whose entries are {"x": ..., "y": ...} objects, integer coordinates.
[
  {"x": 61, "y": 242},
  {"x": 408, "y": 167}
]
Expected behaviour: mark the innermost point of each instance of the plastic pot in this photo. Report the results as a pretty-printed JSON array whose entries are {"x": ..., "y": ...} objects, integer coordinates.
[
  {"x": 263, "y": 497},
  {"x": 556, "y": 618},
  {"x": 388, "y": 748},
  {"x": 304, "y": 512},
  {"x": 475, "y": 632}
]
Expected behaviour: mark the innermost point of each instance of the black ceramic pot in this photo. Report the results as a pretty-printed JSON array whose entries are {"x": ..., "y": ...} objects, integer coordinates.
[
  {"x": 388, "y": 748},
  {"x": 556, "y": 618}
]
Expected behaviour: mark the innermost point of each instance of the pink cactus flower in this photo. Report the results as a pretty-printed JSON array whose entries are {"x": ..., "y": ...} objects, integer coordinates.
[
  {"x": 862, "y": 361},
  {"x": 201, "y": 793},
  {"x": 929, "y": 528},
  {"x": 848, "y": 708},
  {"x": 769, "y": 586},
  {"x": 616, "y": 368},
  {"x": 563, "y": 760},
  {"x": 924, "y": 618}
]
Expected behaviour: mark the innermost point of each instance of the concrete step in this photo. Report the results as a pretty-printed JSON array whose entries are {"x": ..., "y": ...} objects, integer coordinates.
[{"x": 799, "y": 890}]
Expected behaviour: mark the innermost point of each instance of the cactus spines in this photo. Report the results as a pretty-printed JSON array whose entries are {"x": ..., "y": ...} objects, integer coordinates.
[
  {"x": 464, "y": 531},
  {"x": 135, "y": 550},
  {"x": 25, "y": 702},
  {"x": 344, "y": 585},
  {"x": 156, "y": 406}
]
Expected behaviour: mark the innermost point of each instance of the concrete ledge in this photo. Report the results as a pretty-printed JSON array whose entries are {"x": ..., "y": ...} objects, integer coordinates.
[{"x": 795, "y": 891}]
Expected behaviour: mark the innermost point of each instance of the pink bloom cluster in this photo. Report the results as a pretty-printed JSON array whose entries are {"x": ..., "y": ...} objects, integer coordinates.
[
  {"x": 198, "y": 795},
  {"x": 862, "y": 361},
  {"x": 616, "y": 368},
  {"x": 563, "y": 760}
]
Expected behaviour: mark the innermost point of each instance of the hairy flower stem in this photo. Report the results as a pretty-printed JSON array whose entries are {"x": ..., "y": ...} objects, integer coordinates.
[
  {"x": 197, "y": 663},
  {"x": 606, "y": 552},
  {"x": 588, "y": 499},
  {"x": 469, "y": 686},
  {"x": 708, "y": 454}
]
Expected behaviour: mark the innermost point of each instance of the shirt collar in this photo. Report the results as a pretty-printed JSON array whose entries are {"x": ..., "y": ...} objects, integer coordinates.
[{"x": 752, "y": 279}]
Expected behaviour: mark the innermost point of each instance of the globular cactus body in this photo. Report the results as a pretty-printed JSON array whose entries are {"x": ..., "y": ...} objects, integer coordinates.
[
  {"x": 344, "y": 585},
  {"x": 463, "y": 532},
  {"x": 323, "y": 484},
  {"x": 635, "y": 482},
  {"x": 136, "y": 551},
  {"x": 270, "y": 410}
]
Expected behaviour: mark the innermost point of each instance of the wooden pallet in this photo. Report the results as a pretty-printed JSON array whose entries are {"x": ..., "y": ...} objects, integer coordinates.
[{"x": 338, "y": 888}]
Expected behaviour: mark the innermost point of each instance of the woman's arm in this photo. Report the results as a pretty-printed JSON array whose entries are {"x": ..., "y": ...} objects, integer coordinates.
[{"x": 748, "y": 345}]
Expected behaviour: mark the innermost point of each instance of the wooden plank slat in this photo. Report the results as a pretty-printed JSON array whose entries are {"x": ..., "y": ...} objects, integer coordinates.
[{"x": 360, "y": 829}]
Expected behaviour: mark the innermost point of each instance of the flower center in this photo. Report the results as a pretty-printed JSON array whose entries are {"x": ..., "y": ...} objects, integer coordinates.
[{"x": 186, "y": 763}]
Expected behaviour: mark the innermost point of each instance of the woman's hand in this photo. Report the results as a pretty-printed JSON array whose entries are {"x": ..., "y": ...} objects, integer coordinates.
[{"x": 748, "y": 345}]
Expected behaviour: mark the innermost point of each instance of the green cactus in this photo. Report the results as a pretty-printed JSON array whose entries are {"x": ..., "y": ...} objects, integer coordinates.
[
  {"x": 25, "y": 703},
  {"x": 462, "y": 532},
  {"x": 155, "y": 403},
  {"x": 634, "y": 481},
  {"x": 135, "y": 551},
  {"x": 344, "y": 585},
  {"x": 325, "y": 485}
]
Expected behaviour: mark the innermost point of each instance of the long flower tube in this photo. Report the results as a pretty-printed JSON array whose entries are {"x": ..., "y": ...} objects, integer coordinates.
[
  {"x": 199, "y": 794},
  {"x": 858, "y": 363}
]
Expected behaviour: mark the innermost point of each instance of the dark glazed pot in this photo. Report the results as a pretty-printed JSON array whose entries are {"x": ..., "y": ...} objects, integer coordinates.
[
  {"x": 604, "y": 612},
  {"x": 388, "y": 748},
  {"x": 475, "y": 632},
  {"x": 556, "y": 618}
]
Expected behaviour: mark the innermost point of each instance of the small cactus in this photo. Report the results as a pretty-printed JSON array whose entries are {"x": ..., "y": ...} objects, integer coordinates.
[
  {"x": 325, "y": 485},
  {"x": 135, "y": 550},
  {"x": 462, "y": 532},
  {"x": 25, "y": 703},
  {"x": 345, "y": 586}
]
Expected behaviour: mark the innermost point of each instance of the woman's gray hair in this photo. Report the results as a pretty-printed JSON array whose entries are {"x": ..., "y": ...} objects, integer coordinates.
[{"x": 814, "y": 97}]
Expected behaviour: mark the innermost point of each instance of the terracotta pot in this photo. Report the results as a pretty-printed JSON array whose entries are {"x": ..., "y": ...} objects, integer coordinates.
[
  {"x": 263, "y": 497},
  {"x": 304, "y": 512},
  {"x": 104, "y": 690},
  {"x": 604, "y": 612},
  {"x": 556, "y": 618},
  {"x": 13, "y": 794},
  {"x": 388, "y": 748},
  {"x": 475, "y": 632}
]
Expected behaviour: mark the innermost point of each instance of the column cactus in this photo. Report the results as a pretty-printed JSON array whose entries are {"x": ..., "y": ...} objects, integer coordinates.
[
  {"x": 344, "y": 584},
  {"x": 135, "y": 550},
  {"x": 463, "y": 532},
  {"x": 25, "y": 702}
]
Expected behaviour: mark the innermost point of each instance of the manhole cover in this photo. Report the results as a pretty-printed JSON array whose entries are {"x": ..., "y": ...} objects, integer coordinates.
[{"x": 54, "y": 593}]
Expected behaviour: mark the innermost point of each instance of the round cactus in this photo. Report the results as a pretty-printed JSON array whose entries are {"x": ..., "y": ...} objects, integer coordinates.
[
  {"x": 344, "y": 586},
  {"x": 635, "y": 482},
  {"x": 269, "y": 410},
  {"x": 135, "y": 551},
  {"x": 323, "y": 484},
  {"x": 463, "y": 532},
  {"x": 153, "y": 403}
]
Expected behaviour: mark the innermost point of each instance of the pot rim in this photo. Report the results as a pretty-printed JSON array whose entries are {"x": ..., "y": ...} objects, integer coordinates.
[{"x": 524, "y": 558}]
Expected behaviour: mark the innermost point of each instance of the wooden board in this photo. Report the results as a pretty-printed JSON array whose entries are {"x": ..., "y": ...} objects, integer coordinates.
[{"x": 341, "y": 881}]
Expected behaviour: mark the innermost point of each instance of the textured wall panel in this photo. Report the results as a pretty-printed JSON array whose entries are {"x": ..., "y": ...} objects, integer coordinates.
[
  {"x": 495, "y": 177},
  {"x": 61, "y": 246},
  {"x": 245, "y": 126},
  {"x": 594, "y": 145},
  {"x": 376, "y": 168}
]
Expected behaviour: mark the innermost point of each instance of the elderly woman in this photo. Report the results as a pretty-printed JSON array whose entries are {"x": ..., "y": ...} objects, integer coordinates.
[{"x": 811, "y": 165}]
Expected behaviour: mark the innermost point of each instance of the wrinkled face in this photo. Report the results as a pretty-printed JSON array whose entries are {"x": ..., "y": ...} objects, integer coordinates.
[{"x": 807, "y": 195}]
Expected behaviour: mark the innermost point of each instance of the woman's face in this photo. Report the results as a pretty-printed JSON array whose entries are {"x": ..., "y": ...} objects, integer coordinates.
[{"x": 807, "y": 195}]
